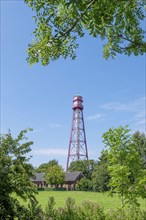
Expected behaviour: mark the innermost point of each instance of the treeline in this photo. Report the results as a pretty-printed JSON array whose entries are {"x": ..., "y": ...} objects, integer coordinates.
[
  {"x": 124, "y": 154},
  {"x": 121, "y": 169}
]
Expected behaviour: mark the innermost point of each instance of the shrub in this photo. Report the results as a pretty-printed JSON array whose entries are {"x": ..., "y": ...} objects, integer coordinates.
[
  {"x": 50, "y": 210},
  {"x": 84, "y": 185},
  {"x": 91, "y": 211},
  {"x": 68, "y": 212},
  {"x": 86, "y": 211},
  {"x": 125, "y": 214}
]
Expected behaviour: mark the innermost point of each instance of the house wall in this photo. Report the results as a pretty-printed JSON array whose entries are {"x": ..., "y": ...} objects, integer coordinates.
[
  {"x": 40, "y": 183},
  {"x": 70, "y": 185}
]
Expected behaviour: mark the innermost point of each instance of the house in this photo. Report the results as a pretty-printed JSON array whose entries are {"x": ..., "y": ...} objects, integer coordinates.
[
  {"x": 71, "y": 179},
  {"x": 38, "y": 180}
]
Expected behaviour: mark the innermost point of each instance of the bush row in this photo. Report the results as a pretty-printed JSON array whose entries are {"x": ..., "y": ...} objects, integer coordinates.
[{"x": 87, "y": 211}]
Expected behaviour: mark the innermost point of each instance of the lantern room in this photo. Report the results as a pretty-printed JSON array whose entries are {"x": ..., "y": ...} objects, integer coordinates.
[{"x": 77, "y": 102}]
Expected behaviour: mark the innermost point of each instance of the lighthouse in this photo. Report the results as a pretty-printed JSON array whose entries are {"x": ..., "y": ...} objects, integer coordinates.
[{"x": 77, "y": 149}]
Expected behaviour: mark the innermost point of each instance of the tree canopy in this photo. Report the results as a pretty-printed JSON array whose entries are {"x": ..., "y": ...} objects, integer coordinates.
[
  {"x": 15, "y": 174},
  {"x": 100, "y": 175},
  {"x": 59, "y": 23},
  {"x": 127, "y": 174},
  {"x": 139, "y": 140},
  {"x": 55, "y": 175},
  {"x": 44, "y": 166},
  {"x": 85, "y": 166}
]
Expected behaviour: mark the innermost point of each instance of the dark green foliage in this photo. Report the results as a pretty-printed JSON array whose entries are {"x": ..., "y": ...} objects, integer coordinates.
[
  {"x": 84, "y": 184},
  {"x": 85, "y": 166},
  {"x": 40, "y": 189},
  {"x": 100, "y": 175},
  {"x": 140, "y": 143},
  {"x": 15, "y": 174},
  {"x": 59, "y": 23},
  {"x": 34, "y": 211}
]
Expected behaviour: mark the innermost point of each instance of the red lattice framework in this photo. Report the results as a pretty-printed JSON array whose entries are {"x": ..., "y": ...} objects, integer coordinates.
[{"x": 77, "y": 145}]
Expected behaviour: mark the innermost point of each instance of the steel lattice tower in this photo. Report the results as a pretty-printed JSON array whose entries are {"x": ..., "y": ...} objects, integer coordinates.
[{"x": 77, "y": 145}]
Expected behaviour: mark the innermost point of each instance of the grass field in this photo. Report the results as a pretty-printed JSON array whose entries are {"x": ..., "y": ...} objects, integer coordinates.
[{"x": 101, "y": 198}]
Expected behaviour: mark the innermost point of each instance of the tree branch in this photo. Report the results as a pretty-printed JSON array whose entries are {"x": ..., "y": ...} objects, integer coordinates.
[
  {"x": 75, "y": 23},
  {"x": 136, "y": 43}
]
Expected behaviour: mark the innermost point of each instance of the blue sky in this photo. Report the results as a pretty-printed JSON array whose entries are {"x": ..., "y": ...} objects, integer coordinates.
[{"x": 41, "y": 97}]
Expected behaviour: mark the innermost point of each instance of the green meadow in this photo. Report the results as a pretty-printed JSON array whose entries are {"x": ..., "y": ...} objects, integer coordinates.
[{"x": 103, "y": 199}]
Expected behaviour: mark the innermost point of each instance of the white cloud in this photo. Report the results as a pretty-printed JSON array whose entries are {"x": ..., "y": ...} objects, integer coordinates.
[
  {"x": 58, "y": 152},
  {"x": 53, "y": 125},
  {"x": 140, "y": 114},
  {"x": 141, "y": 122},
  {"x": 133, "y": 106},
  {"x": 92, "y": 153},
  {"x": 140, "y": 117},
  {"x": 95, "y": 117},
  {"x": 51, "y": 152},
  {"x": 137, "y": 108},
  {"x": 115, "y": 106}
]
